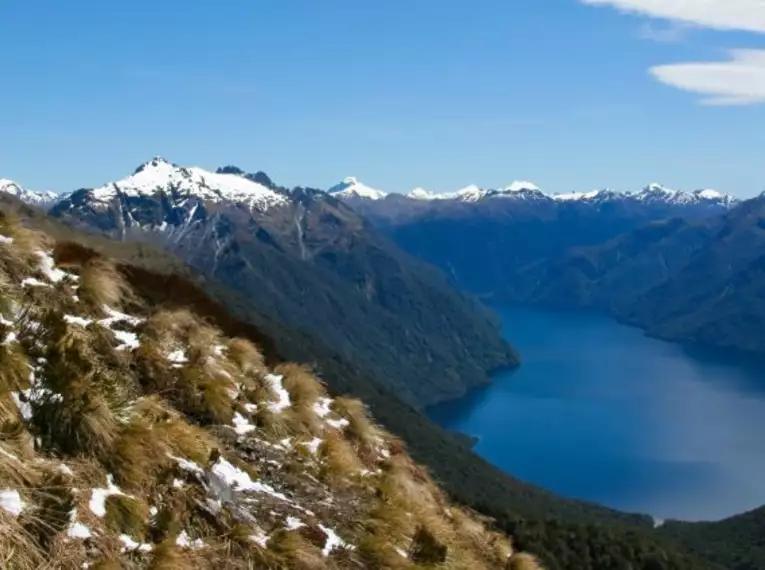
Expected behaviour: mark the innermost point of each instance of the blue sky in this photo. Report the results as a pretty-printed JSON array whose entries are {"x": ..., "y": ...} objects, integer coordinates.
[{"x": 571, "y": 94}]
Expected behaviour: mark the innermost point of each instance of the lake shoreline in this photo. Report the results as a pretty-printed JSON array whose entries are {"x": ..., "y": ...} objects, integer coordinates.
[{"x": 579, "y": 418}]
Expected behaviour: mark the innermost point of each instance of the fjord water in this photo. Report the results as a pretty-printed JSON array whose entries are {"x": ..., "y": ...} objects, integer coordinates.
[{"x": 599, "y": 411}]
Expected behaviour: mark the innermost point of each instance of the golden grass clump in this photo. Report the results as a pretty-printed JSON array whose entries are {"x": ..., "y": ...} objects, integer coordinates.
[
  {"x": 203, "y": 387},
  {"x": 203, "y": 397},
  {"x": 339, "y": 461},
  {"x": 492, "y": 546},
  {"x": 127, "y": 515},
  {"x": 78, "y": 395},
  {"x": 360, "y": 429},
  {"x": 14, "y": 367},
  {"x": 246, "y": 356},
  {"x": 274, "y": 424},
  {"x": 236, "y": 549},
  {"x": 523, "y": 561},
  {"x": 296, "y": 551},
  {"x": 168, "y": 556},
  {"x": 19, "y": 257},
  {"x": 18, "y": 549},
  {"x": 101, "y": 283},
  {"x": 153, "y": 431},
  {"x": 301, "y": 383}
]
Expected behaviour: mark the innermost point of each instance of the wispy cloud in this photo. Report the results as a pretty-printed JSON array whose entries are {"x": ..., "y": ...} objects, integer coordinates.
[
  {"x": 747, "y": 15},
  {"x": 670, "y": 33},
  {"x": 738, "y": 81}
]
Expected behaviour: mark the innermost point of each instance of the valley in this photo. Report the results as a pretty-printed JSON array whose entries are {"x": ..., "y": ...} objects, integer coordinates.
[{"x": 329, "y": 279}]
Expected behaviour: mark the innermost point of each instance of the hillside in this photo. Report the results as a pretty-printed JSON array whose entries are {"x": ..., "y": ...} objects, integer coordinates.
[
  {"x": 521, "y": 509},
  {"x": 309, "y": 261},
  {"x": 736, "y": 542},
  {"x": 481, "y": 237},
  {"x": 138, "y": 437},
  {"x": 700, "y": 281}
]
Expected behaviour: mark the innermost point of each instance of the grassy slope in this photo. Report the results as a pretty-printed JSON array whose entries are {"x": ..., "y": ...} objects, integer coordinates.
[
  {"x": 471, "y": 480},
  {"x": 186, "y": 487}
]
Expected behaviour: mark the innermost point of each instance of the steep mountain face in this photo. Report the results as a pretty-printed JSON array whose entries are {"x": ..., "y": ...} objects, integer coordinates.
[
  {"x": 310, "y": 261},
  {"x": 41, "y": 199},
  {"x": 142, "y": 437},
  {"x": 700, "y": 281},
  {"x": 482, "y": 238}
]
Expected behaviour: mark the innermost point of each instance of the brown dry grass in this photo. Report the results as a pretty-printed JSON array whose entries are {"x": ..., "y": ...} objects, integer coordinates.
[
  {"x": 361, "y": 431},
  {"x": 127, "y": 515},
  {"x": 14, "y": 368},
  {"x": 168, "y": 556},
  {"x": 296, "y": 551},
  {"x": 246, "y": 356},
  {"x": 339, "y": 459},
  {"x": 102, "y": 284},
  {"x": 18, "y": 549},
  {"x": 153, "y": 430}
]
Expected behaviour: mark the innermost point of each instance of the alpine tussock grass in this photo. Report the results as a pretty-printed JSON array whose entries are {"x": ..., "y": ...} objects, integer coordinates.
[{"x": 148, "y": 440}]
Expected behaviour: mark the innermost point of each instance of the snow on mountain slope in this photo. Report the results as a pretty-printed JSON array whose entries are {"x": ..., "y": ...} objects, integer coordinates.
[
  {"x": 523, "y": 190},
  {"x": 351, "y": 187},
  {"x": 521, "y": 185},
  {"x": 44, "y": 198},
  {"x": 422, "y": 194},
  {"x": 159, "y": 175}
]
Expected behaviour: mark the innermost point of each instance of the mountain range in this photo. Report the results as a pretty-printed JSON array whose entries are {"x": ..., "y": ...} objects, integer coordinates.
[
  {"x": 319, "y": 252},
  {"x": 353, "y": 189},
  {"x": 308, "y": 260}
]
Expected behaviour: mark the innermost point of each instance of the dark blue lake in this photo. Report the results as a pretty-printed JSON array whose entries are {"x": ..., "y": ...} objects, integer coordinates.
[{"x": 599, "y": 411}]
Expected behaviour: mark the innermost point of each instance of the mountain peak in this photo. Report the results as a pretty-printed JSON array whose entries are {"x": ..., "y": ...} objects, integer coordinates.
[
  {"x": 161, "y": 176},
  {"x": 520, "y": 185},
  {"x": 44, "y": 198},
  {"x": 351, "y": 187}
]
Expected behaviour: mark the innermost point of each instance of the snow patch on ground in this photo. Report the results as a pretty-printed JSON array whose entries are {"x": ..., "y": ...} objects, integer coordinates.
[
  {"x": 75, "y": 320},
  {"x": 313, "y": 445},
  {"x": 11, "y": 503},
  {"x": 323, "y": 407},
  {"x": 333, "y": 541},
  {"x": 225, "y": 479},
  {"x": 283, "y": 396},
  {"x": 98, "y": 497},
  {"x": 129, "y": 544},
  {"x": 185, "y": 541},
  {"x": 241, "y": 424}
]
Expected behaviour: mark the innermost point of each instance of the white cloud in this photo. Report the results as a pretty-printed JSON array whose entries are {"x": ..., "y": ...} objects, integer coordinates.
[
  {"x": 748, "y": 15},
  {"x": 670, "y": 34},
  {"x": 738, "y": 81}
]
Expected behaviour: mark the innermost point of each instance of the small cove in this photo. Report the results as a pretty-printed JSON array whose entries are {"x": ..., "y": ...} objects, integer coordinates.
[{"x": 599, "y": 411}]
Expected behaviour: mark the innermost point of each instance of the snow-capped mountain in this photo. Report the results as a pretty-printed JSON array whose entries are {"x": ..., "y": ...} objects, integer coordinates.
[
  {"x": 351, "y": 187},
  {"x": 423, "y": 194},
  {"x": 653, "y": 193},
  {"x": 33, "y": 197},
  {"x": 160, "y": 176}
]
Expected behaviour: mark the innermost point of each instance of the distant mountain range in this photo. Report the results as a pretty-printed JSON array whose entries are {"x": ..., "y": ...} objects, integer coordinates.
[
  {"x": 353, "y": 189},
  {"x": 42, "y": 199},
  {"x": 310, "y": 261},
  {"x": 701, "y": 280},
  {"x": 483, "y": 237}
]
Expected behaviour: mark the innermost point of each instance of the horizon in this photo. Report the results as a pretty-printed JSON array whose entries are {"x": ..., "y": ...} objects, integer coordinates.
[
  {"x": 357, "y": 180},
  {"x": 573, "y": 95}
]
